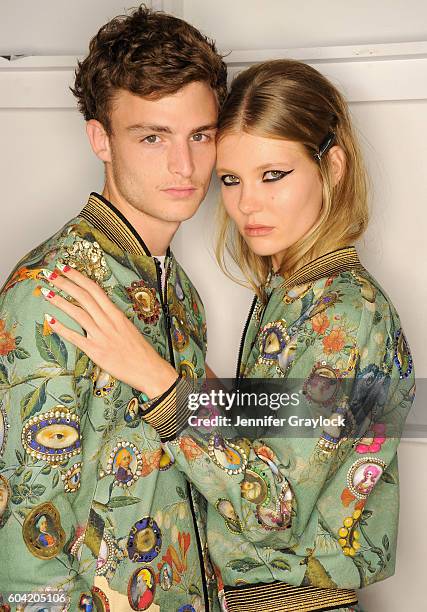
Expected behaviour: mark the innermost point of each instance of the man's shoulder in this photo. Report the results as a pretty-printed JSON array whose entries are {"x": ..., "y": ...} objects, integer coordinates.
[{"x": 46, "y": 254}]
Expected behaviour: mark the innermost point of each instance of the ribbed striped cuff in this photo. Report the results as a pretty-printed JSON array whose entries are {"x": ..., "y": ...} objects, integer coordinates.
[
  {"x": 282, "y": 597},
  {"x": 169, "y": 413}
]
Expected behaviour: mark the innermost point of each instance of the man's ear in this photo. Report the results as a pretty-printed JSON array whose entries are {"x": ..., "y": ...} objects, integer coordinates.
[
  {"x": 337, "y": 161},
  {"x": 99, "y": 140}
]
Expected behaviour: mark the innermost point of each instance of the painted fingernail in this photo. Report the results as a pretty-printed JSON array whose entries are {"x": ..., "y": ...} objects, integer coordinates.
[
  {"x": 49, "y": 274},
  {"x": 49, "y": 319},
  {"x": 48, "y": 293},
  {"x": 63, "y": 267}
]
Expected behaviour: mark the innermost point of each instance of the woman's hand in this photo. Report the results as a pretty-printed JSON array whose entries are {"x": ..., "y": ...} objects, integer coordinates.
[{"x": 112, "y": 341}]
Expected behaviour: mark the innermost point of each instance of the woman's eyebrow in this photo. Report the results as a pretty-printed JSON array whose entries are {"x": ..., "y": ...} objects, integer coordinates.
[
  {"x": 275, "y": 163},
  {"x": 224, "y": 171}
]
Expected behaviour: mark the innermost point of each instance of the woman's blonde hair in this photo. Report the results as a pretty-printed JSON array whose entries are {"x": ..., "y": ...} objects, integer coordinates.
[{"x": 291, "y": 100}]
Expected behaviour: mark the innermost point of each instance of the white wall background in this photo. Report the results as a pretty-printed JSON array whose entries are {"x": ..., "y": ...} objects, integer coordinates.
[{"x": 47, "y": 169}]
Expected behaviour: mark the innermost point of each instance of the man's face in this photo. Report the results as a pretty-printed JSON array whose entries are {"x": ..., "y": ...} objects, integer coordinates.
[{"x": 163, "y": 151}]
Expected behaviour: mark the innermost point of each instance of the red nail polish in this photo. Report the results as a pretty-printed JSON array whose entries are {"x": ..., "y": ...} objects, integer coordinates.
[
  {"x": 51, "y": 294},
  {"x": 52, "y": 320},
  {"x": 63, "y": 267}
]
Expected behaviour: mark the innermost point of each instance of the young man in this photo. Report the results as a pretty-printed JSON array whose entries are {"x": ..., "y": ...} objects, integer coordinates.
[{"x": 76, "y": 457}]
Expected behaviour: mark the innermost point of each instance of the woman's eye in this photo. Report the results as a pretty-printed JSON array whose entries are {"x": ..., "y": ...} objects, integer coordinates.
[
  {"x": 274, "y": 175},
  {"x": 200, "y": 137},
  {"x": 230, "y": 179},
  {"x": 152, "y": 139}
]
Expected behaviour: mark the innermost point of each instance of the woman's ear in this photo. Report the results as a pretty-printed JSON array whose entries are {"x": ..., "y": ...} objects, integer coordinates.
[
  {"x": 337, "y": 161},
  {"x": 99, "y": 140}
]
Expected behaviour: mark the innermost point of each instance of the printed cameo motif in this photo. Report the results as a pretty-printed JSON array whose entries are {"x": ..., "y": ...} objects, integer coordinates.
[
  {"x": 96, "y": 602},
  {"x": 144, "y": 301},
  {"x": 402, "y": 354},
  {"x": 72, "y": 478},
  {"x": 100, "y": 600},
  {"x": 125, "y": 462},
  {"x": 226, "y": 455},
  {"x": 364, "y": 475},
  {"x": 103, "y": 383},
  {"x": 280, "y": 516},
  {"x": 42, "y": 531},
  {"x": 52, "y": 436},
  {"x": 145, "y": 541},
  {"x": 165, "y": 576},
  {"x": 322, "y": 384},
  {"x": 255, "y": 487},
  {"x": 273, "y": 339},
  {"x": 141, "y": 588}
]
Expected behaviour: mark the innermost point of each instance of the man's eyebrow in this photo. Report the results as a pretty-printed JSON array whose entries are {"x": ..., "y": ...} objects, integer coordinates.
[
  {"x": 205, "y": 128},
  {"x": 140, "y": 127},
  {"x": 164, "y": 129}
]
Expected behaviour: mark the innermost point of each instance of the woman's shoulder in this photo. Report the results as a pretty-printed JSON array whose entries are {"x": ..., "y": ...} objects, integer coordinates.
[
  {"x": 353, "y": 301},
  {"x": 362, "y": 292}
]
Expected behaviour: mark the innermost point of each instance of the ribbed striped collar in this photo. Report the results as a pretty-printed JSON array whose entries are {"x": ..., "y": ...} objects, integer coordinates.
[
  {"x": 340, "y": 260},
  {"x": 110, "y": 221}
]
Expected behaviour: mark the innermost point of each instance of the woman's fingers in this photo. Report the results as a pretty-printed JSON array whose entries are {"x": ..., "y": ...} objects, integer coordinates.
[
  {"x": 88, "y": 285},
  {"x": 68, "y": 334},
  {"x": 80, "y": 316},
  {"x": 87, "y": 299}
]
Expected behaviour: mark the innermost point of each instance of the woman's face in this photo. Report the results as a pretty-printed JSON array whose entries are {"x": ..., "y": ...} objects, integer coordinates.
[{"x": 270, "y": 188}]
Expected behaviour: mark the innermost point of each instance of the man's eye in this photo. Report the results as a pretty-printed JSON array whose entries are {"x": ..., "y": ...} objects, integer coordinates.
[
  {"x": 200, "y": 137},
  {"x": 152, "y": 139},
  {"x": 274, "y": 175},
  {"x": 230, "y": 179}
]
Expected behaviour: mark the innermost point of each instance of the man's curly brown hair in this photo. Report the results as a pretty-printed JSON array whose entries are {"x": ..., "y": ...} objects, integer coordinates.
[{"x": 148, "y": 53}]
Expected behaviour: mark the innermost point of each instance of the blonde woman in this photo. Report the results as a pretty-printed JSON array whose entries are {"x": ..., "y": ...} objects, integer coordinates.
[{"x": 320, "y": 326}]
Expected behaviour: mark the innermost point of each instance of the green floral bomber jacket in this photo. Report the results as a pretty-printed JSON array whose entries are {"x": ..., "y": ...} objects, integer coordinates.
[
  {"x": 297, "y": 520},
  {"x": 90, "y": 502}
]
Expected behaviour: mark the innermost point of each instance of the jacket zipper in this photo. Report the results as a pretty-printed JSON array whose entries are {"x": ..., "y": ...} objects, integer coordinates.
[
  {"x": 242, "y": 341},
  {"x": 165, "y": 308},
  {"x": 245, "y": 331},
  {"x": 199, "y": 549},
  {"x": 168, "y": 321}
]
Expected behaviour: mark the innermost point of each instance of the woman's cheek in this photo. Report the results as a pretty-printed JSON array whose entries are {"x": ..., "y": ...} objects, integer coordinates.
[{"x": 230, "y": 203}]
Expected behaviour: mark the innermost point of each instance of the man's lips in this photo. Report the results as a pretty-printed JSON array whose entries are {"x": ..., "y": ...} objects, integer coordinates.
[
  {"x": 180, "y": 191},
  {"x": 257, "y": 230}
]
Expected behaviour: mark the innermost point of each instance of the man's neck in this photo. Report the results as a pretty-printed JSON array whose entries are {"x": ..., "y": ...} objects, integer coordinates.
[{"x": 156, "y": 233}]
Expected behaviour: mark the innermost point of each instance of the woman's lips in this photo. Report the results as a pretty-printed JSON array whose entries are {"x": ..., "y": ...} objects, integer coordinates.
[{"x": 257, "y": 230}]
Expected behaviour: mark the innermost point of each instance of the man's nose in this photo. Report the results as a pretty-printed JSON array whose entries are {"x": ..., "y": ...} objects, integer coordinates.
[{"x": 181, "y": 160}]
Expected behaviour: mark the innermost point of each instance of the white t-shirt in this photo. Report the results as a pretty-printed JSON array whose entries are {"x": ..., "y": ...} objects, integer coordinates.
[{"x": 161, "y": 259}]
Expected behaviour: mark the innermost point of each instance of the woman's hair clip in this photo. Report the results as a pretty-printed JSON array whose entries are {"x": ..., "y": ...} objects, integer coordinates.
[{"x": 325, "y": 145}]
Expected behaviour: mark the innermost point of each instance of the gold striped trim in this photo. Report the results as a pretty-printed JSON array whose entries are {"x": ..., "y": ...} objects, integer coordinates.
[
  {"x": 109, "y": 220},
  {"x": 334, "y": 262},
  {"x": 282, "y": 597},
  {"x": 169, "y": 413}
]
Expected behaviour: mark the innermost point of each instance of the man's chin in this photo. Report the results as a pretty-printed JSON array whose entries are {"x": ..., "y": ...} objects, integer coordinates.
[{"x": 178, "y": 216}]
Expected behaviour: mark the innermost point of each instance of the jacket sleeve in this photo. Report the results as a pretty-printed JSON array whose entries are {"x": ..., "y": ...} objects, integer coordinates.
[
  {"x": 41, "y": 414},
  {"x": 277, "y": 481}
]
